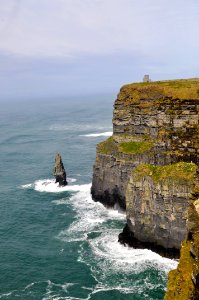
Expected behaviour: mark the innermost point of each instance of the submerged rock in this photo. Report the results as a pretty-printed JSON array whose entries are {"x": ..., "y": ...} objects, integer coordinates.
[{"x": 59, "y": 171}]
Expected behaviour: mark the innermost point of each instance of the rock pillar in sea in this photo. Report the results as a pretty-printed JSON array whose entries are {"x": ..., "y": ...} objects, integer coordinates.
[{"x": 59, "y": 171}]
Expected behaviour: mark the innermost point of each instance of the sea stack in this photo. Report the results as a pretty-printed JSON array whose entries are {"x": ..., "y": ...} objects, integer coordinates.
[{"x": 59, "y": 171}]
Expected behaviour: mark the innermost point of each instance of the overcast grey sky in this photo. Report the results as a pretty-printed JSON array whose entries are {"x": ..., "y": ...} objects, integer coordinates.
[{"x": 63, "y": 47}]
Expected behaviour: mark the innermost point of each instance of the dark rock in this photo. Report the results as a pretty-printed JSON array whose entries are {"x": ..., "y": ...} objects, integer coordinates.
[
  {"x": 126, "y": 237},
  {"x": 59, "y": 171},
  {"x": 114, "y": 199}
]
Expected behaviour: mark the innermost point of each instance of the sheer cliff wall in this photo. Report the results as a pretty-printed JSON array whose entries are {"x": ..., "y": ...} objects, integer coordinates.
[{"x": 154, "y": 124}]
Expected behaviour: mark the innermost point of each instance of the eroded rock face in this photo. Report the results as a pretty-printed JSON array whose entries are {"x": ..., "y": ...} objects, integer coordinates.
[
  {"x": 157, "y": 201},
  {"x": 59, "y": 171},
  {"x": 110, "y": 178}
]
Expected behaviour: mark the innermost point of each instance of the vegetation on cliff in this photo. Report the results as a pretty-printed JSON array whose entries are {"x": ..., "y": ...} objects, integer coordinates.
[
  {"x": 107, "y": 147},
  {"x": 135, "y": 147},
  {"x": 180, "y": 285},
  {"x": 110, "y": 146},
  {"x": 160, "y": 90},
  {"x": 181, "y": 171}
]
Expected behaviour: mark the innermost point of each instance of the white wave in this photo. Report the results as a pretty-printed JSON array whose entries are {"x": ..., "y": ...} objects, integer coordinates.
[
  {"x": 106, "y": 247},
  {"x": 7, "y": 294},
  {"x": 64, "y": 286},
  {"x": 83, "y": 175},
  {"x": 108, "y": 133},
  {"x": 26, "y": 186},
  {"x": 52, "y": 289},
  {"x": 92, "y": 216},
  {"x": 71, "y": 180},
  {"x": 63, "y": 201},
  {"x": 114, "y": 266},
  {"x": 89, "y": 215},
  {"x": 49, "y": 185},
  {"x": 106, "y": 258}
]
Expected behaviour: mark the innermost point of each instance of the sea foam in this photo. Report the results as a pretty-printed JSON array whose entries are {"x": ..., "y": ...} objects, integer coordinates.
[
  {"x": 96, "y": 230},
  {"x": 108, "y": 133},
  {"x": 93, "y": 217},
  {"x": 50, "y": 186},
  {"x": 90, "y": 215}
]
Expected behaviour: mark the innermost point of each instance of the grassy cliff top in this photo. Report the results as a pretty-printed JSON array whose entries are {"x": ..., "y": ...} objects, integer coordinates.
[{"x": 182, "y": 89}]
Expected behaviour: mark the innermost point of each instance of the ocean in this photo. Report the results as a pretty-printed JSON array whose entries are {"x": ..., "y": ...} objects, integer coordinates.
[{"x": 57, "y": 243}]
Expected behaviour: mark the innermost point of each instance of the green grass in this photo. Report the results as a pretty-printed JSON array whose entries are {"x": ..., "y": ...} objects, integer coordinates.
[
  {"x": 135, "y": 147},
  {"x": 181, "y": 171},
  {"x": 107, "y": 147},
  {"x": 139, "y": 93}
]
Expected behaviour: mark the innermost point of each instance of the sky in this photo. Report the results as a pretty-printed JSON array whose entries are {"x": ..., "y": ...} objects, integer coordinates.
[{"x": 57, "y": 48}]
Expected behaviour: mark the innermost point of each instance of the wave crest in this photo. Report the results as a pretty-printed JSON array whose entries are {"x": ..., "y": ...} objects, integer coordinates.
[
  {"x": 108, "y": 133},
  {"x": 49, "y": 186}
]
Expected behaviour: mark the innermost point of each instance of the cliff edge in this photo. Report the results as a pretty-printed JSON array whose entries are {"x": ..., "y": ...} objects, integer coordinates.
[{"x": 149, "y": 166}]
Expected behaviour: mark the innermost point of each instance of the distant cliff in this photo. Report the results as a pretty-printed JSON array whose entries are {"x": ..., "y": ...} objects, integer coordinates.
[{"x": 149, "y": 165}]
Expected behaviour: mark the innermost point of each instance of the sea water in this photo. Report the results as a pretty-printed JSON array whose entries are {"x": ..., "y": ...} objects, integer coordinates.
[{"x": 56, "y": 242}]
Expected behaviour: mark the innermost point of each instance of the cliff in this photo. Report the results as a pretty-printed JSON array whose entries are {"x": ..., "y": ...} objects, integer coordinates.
[
  {"x": 149, "y": 165},
  {"x": 157, "y": 199},
  {"x": 153, "y": 123}
]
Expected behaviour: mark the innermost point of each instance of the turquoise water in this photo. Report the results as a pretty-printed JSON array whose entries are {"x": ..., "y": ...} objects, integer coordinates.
[{"x": 56, "y": 243}]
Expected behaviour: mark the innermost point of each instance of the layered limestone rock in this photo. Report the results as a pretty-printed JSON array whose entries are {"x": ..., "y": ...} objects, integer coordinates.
[
  {"x": 157, "y": 201},
  {"x": 59, "y": 171},
  {"x": 154, "y": 124}
]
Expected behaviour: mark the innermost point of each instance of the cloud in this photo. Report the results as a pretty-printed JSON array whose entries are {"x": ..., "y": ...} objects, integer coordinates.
[
  {"x": 47, "y": 46},
  {"x": 70, "y": 28}
]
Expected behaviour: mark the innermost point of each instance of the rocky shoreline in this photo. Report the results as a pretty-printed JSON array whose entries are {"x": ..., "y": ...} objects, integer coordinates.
[{"x": 126, "y": 237}]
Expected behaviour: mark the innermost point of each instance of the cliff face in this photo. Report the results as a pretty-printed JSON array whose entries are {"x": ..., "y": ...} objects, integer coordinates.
[
  {"x": 154, "y": 124},
  {"x": 150, "y": 167},
  {"x": 157, "y": 199}
]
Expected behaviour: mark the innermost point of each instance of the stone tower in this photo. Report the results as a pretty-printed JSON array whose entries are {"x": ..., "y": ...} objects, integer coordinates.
[{"x": 146, "y": 78}]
